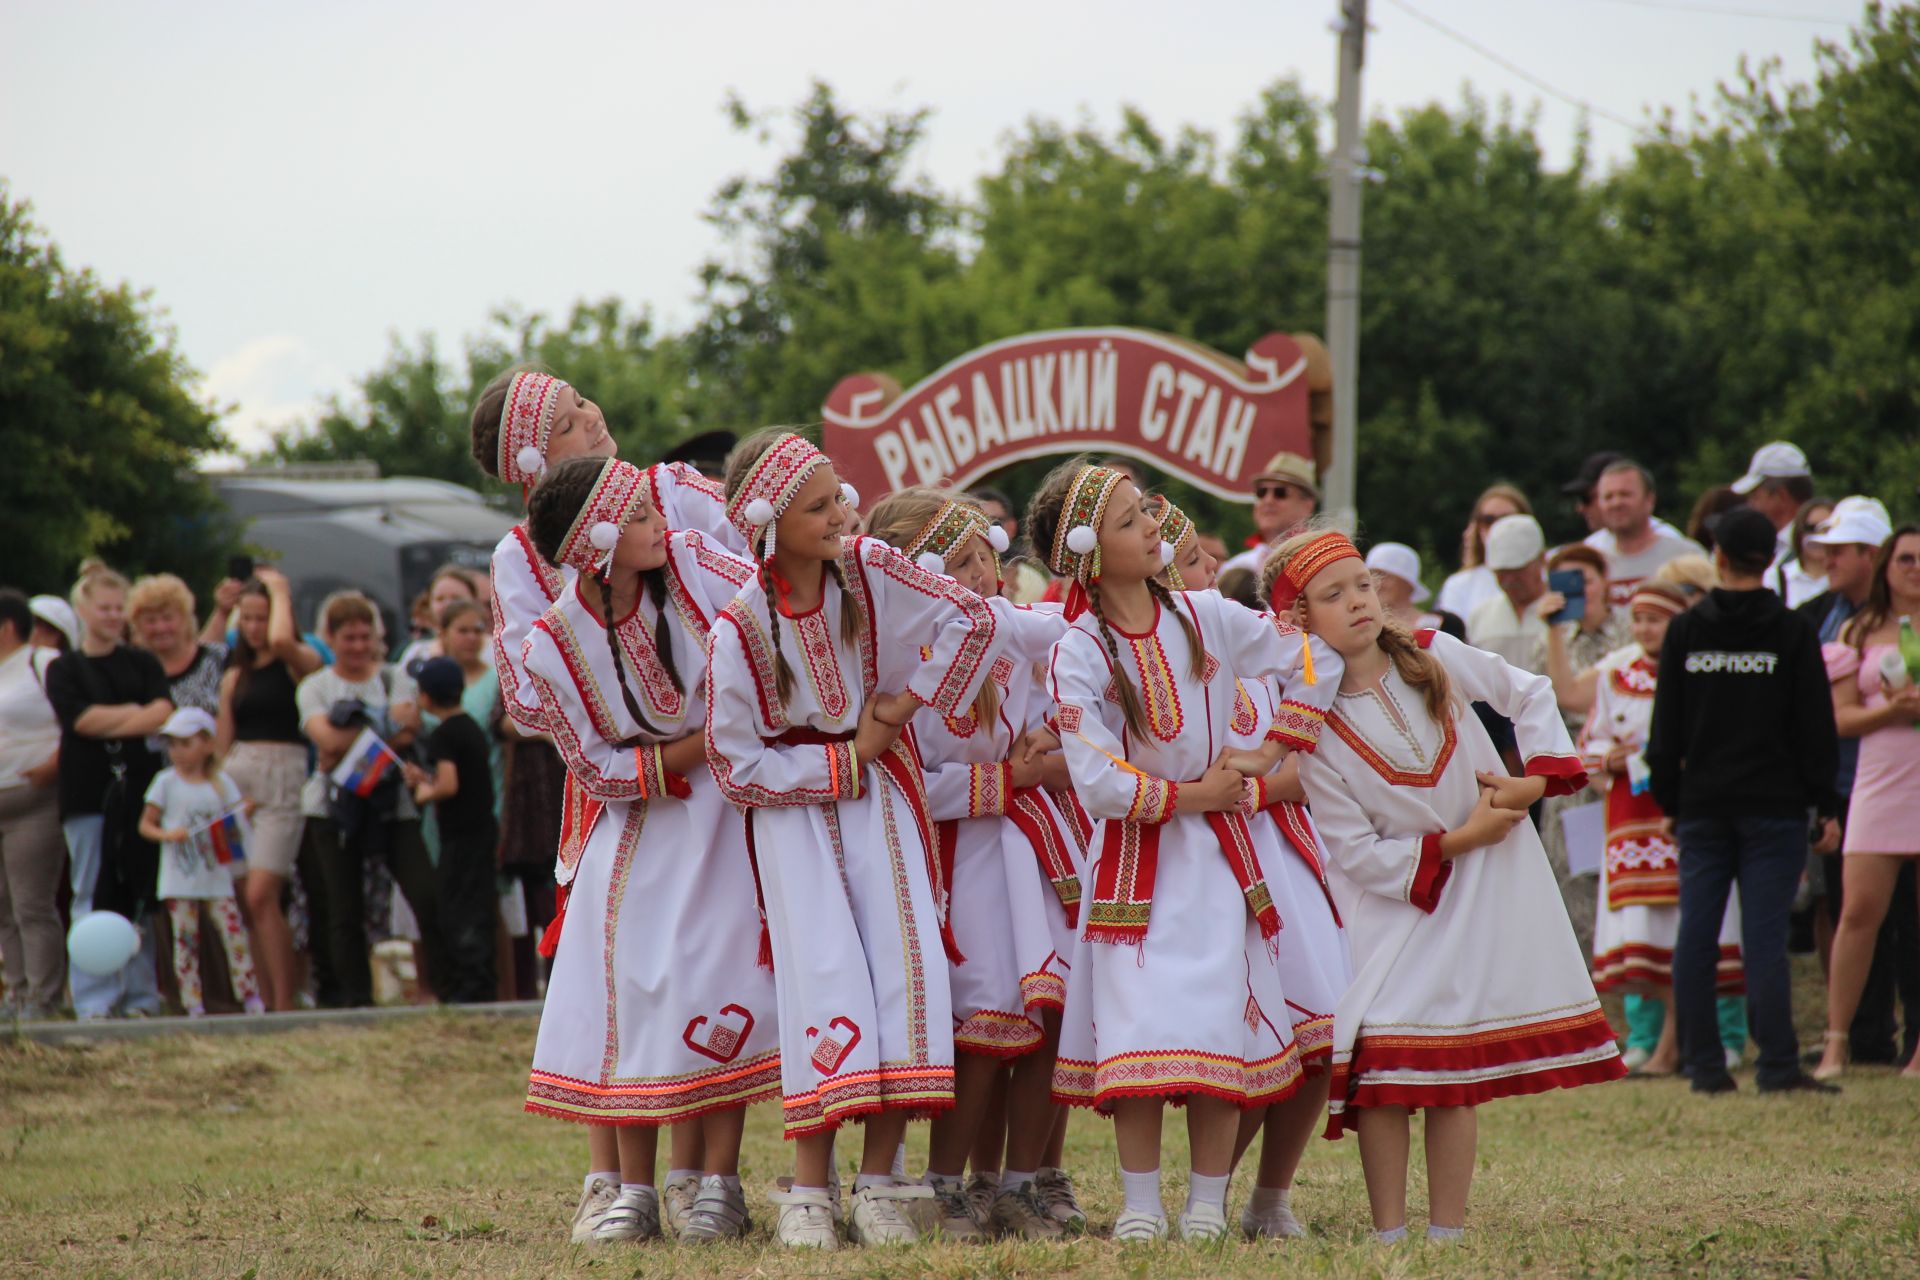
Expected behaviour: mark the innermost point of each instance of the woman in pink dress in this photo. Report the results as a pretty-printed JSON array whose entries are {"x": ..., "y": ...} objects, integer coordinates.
[{"x": 1883, "y": 820}]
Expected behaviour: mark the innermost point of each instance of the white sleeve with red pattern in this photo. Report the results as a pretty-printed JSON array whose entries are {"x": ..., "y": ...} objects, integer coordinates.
[
  {"x": 754, "y": 772},
  {"x": 523, "y": 588},
  {"x": 913, "y": 605}
]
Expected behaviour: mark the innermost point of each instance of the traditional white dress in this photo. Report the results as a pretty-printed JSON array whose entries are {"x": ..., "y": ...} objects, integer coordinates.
[
  {"x": 1010, "y": 859},
  {"x": 1175, "y": 987},
  {"x": 656, "y": 1008},
  {"x": 1637, "y": 918},
  {"x": 1469, "y": 984},
  {"x": 845, "y": 851},
  {"x": 1315, "y": 968}
]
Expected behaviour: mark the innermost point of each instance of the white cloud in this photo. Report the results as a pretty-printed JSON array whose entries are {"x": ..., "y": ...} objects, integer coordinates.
[{"x": 269, "y": 383}]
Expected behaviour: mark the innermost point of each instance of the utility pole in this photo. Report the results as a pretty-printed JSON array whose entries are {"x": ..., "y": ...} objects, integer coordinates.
[{"x": 1343, "y": 264}]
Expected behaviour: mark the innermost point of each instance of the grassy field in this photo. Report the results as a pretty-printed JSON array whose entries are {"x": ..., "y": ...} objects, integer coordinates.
[{"x": 401, "y": 1151}]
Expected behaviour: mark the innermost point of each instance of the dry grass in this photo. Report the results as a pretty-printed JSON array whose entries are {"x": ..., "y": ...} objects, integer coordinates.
[{"x": 401, "y": 1151}]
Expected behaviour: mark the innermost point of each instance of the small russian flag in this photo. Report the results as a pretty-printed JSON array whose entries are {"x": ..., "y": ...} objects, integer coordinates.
[
  {"x": 366, "y": 762},
  {"x": 227, "y": 837}
]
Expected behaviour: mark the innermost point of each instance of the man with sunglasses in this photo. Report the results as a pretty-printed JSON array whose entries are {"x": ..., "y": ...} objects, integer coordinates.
[{"x": 1286, "y": 492}]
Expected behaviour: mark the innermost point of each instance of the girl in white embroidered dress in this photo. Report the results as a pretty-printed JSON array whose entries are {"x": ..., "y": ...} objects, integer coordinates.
[
  {"x": 814, "y": 670},
  {"x": 656, "y": 1010},
  {"x": 1314, "y": 967},
  {"x": 1014, "y": 877},
  {"x": 1163, "y": 1002},
  {"x": 1469, "y": 983}
]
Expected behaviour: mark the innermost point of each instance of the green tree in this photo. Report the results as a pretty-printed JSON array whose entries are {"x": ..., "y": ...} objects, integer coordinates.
[{"x": 99, "y": 427}]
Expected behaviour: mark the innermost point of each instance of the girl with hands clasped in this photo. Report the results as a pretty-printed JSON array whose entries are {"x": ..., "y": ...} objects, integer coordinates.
[
  {"x": 1176, "y": 991},
  {"x": 815, "y": 669},
  {"x": 1469, "y": 984}
]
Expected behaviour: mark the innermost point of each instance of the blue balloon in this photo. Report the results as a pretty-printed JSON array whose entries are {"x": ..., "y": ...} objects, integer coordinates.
[{"x": 101, "y": 943}]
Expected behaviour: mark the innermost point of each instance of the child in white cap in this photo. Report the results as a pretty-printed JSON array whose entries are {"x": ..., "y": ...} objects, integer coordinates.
[{"x": 198, "y": 817}]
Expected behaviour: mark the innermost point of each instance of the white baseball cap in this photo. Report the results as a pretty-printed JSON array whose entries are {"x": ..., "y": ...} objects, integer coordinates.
[
  {"x": 186, "y": 722},
  {"x": 1856, "y": 521},
  {"x": 1514, "y": 542},
  {"x": 1777, "y": 461},
  {"x": 58, "y": 614},
  {"x": 1403, "y": 562}
]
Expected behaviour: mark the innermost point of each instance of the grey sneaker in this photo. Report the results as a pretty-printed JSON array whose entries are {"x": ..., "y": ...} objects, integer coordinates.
[
  {"x": 595, "y": 1200},
  {"x": 634, "y": 1216},
  {"x": 878, "y": 1215},
  {"x": 981, "y": 1189},
  {"x": 1140, "y": 1228},
  {"x": 719, "y": 1213},
  {"x": 806, "y": 1220},
  {"x": 1053, "y": 1188},
  {"x": 1203, "y": 1223},
  {"x": 1277, "y": 1224},
  {"x": 949, "y": 1213},
  {"x": 676, "y": 1202},
  {"x": 1019, "y": 1214}
]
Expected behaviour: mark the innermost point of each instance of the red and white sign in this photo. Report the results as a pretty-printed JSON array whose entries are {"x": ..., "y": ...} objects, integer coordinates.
[{"x": 1203, "y": 416}]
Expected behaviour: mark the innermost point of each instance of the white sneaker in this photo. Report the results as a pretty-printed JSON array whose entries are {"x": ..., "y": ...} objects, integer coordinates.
[
  {"x": 1140, "y": 1228},
  {"x": 947, "y": 1213},
  {"x": 1635, "y": 1058},
  {"x": 806, "y": 1220},
  {"x": 634, "y": 1216},
  {"x": 718, "y": 1213},
  {"x": 1277, "y": 1224},
  {"x": 785, "y": 1184},
  {"x": 1053, "y": 1188},
  {"x": 1734, "y": 1058},
  {"x": 1202, "y": 1223},
  {"x": 878, "y": 1215},
  {"x": 676, "y": 1202},
  {"x": 595, "y": 1200}
]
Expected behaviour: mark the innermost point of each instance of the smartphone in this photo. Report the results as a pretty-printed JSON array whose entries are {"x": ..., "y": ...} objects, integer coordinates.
[
  {"x": 240, "y": 568},
  {"x": 1572, "y": 584}
]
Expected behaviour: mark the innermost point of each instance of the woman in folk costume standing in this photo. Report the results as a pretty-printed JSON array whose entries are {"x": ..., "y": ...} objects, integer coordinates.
[
  {"x": 1314, "y": 968},
  {"x": 1010, "y": 864},
  {"x": 814, "y": 671},
  {"x": 1168, "y": 999},
  {"x": 1638, "y": 919},
  {"x": 1469, "y": 983},
  {"x": 524, "y": 422},
  {"x": 656, "y": 1011}
]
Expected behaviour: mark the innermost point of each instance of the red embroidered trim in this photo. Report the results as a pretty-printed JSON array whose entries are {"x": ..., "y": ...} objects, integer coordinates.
[
  {"x": 667, "y": 1100},
  {"x": 1565, "y": 775},
  {"x": 1430, "y": 876},
  {"x": 1450, "y": 738},
  {"x": 995, "y": 1033}
]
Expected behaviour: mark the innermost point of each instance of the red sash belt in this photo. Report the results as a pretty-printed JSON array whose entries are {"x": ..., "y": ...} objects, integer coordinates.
[
  {"x": 1130, "y": 861},
  {"x": 1297, "y": 830}
]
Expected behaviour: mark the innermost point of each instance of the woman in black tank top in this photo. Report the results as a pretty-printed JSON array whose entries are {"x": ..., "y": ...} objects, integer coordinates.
[{"x": 267, "y": 755}]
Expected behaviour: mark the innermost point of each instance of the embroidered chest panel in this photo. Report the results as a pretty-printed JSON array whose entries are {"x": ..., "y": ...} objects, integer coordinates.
[
  {"x": 1159, "y": 690},
  {"x": 1635, "y": 680},
  {"x": 1389, "y": 744},
  {"x": 820, "y": 659}
]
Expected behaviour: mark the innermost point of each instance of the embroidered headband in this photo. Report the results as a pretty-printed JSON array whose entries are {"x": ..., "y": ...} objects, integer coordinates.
[
  {"x": 1659, "y": 598},
  {"x": 770, "y": 484},
  {"x": 595, "y": 531},
  {"x": 1306, "y": 563},
  {"x": 1076, "y": 542},
  {"x": 526, "y": 420},
  {"x": 952, "y": 525},
  {"x": 1176, "y": 527}
]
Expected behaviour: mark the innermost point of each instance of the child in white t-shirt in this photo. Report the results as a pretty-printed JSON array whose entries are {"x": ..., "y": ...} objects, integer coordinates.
[{"x": 187, "y": 813}]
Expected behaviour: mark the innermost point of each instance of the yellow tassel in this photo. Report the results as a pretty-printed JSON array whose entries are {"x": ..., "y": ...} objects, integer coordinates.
[{"x": 1306, "y": 657}]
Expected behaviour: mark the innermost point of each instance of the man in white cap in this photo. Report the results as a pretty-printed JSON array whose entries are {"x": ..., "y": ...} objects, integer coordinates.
[
  {"x": 1777, "y": 483},
  {"x": 54, "y": 623},
  {"x": 1506, "y": 624},
  {"x": 1396, "y": 576},
  {"x": 1286, "y": 492}
]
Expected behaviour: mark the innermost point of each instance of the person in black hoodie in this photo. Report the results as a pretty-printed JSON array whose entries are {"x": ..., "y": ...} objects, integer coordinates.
[{"x": 1742, "y": 752}]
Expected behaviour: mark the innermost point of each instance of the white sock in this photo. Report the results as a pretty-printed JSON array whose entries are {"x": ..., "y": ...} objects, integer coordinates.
[
  {"x": 1012, "y": 1181},
  {"x": 1445, "y": 1233},
  {"x": 1207, "y": 1189},
  {"x": 675, "y": 1175},
  {"x": 1267, "y": 1202},
  {"x": 612, "y": 1176},
  {"x": 1392, "y": 1235},
  {"x": 731, "y": 1181},
  {"x": 1143, "y": 1192},
  {"x": 865, "y": 1180},
  {"x": 900, "y": 1162},
  {"x": 644, "y": 1190}
]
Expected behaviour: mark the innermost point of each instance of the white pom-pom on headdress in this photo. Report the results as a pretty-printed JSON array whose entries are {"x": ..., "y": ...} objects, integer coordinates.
[
  {"x": 850, "y": 494},
  {"x": 933, "y": 562},
  {"x": 759, "y": 511},
  {"x": 605, "y": 535},
  {"x": 1081, "y": 539},
  {"x": 1166, "y": 552},
  {"x": 997, "y": 539},
  {"x": 530, "y": 461}
]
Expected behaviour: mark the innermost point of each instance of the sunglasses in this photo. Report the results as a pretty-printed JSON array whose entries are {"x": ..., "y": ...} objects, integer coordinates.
[{"x": 1275, "y": 491}]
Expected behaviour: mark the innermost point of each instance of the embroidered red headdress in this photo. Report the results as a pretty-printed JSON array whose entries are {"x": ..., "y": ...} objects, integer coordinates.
[
  {"x": 770, "y": 485},
  {"x": 1657, "y": 598},
  {"x": 526, "y": 420},
  {"x": 949, "y": 530},
  {"x": 1305, "y": 564},
  {"x": 1176, "y": 527},
  {"x": 616, "y": 495}
]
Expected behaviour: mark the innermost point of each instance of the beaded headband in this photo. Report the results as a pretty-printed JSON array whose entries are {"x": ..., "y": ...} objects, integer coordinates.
[
  {"x": 1305, "y": 564},
  {"x": 1176, "y": 527},
  {"x": 952, "y": 525},
  {"x": 770, "y": 485},
  {"x": 595, "y": 531},
  {"x": 1076, "y": 542},
  {"x": 526, "y": 420},
  {"x": 1657, "y": 598}
]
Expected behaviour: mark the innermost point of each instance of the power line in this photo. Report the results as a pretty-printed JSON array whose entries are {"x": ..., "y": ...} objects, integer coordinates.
[
  {"x": 1545, "y": 86},
  {"x": 1724, "y": 11}
]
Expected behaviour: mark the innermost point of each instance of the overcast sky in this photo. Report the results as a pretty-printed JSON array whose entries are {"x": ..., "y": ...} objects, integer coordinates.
[{"x": 297, "y": 182}]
